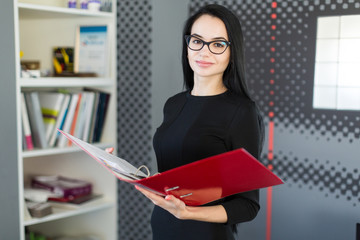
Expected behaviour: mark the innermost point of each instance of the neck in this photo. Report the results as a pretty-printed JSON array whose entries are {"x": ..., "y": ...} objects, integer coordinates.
[{"x": 208, "y": 86}]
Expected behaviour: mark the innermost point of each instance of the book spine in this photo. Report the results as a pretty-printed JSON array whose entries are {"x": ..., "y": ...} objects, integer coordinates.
[
  {"x": 75, "y": 117},
  {"x": 51, "y": 103},
  {"x": 104, "y": 107},
  {"x": 93, "y": 117},
  {"x": 98, "y": 116},
  {"x": 36, "y": 120},
  {"x": 89, "y": 112},
  {"x": 59, "y": 120},
  {"x": 69, "y": 117},
  {"x": 26, "y": 124},
  {"x": 79, "y": 191}
]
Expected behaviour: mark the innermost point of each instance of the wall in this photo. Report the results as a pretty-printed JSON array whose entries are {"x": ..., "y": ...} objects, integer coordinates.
[
  {"x": 10, "y": 216},
  {"x": 149, "y": 72},
  {"x": 167, "y": 78},
  {"x": 315, "y": 151}
]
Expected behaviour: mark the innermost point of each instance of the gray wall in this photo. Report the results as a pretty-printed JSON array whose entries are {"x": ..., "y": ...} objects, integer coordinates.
[
  {"x": 149, "y": 71},
  {"x": 9, "y": 208},
  {"x": 167, "y": 80}
]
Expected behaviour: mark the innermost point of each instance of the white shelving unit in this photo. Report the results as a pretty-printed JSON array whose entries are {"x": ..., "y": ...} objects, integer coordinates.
[{"x": 39, "y": 28}]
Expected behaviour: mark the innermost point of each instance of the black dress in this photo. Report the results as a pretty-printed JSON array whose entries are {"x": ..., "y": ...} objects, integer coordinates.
[{"x": 196, "y": 127}]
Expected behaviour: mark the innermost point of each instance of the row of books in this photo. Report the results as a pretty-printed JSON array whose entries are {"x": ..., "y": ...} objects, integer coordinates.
[{"x": 81, "y": 114}]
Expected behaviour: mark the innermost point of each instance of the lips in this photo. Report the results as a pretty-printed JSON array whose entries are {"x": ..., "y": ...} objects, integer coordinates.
[{"x": 203, "y": 63}]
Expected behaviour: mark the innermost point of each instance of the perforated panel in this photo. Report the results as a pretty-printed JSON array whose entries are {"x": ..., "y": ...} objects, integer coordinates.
[
  {"x": 280, "y": 42},
  {"x": 280, "y": 53},
  {"x": 134, "y": 108}
]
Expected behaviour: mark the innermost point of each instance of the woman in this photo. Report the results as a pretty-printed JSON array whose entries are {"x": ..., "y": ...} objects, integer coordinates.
[{"x": 213, "y": 116}]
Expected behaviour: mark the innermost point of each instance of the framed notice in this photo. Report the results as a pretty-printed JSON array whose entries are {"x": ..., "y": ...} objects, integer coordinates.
[{"x": 91, "y": 50}]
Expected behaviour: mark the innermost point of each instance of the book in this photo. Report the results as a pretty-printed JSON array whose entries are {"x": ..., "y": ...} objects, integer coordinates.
[
  {"x": 196, "y": 183},
  {"x": 50, "y": 103},
  {"x": 60, "y": 120},
  {"x": 100, "y": 115},
  {"x": 93, "y": 117},
  {"x": 69, "y": 118},
  {"x": 74, "y": 203},
  {"x": 88, "y": 116},
  {"x": 35, "y": 118},
  {"x": 75, "y": 117},
  {"x": 91, "y": 50},
  {"x": 26, "y": 125},
  {"x": 63, "y": 187},
  {"x": 79, "y": 128}
]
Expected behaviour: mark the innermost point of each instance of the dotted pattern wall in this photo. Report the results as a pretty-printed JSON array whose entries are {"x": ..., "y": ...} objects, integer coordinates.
[
  {"x": 290, "y": 61},
  {"x": 287, "y": 57},
  {"x": 134, "y": 111},
  {"x": 280, "y": 41},
  {"x": 295, "y": 23},
  {"x": 333, "y": 180}
]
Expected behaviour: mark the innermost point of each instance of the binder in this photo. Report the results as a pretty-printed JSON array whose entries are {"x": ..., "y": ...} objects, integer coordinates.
[{"x": 196, "y": 183}]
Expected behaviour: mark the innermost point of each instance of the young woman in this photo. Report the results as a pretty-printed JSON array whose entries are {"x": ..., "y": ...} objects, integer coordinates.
[{"x": 213, "y": 116}]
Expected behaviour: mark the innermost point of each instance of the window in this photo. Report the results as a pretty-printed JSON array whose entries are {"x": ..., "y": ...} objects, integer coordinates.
[{"x": 337, "y": 63}]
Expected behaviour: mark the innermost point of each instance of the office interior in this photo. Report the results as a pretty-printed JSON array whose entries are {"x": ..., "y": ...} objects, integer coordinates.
[{"x": 303, "y": 71}]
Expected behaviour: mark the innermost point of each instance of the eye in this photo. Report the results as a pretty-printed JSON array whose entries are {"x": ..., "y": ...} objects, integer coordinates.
[
  {"x": 219, "y": 44},
  {"x": 196, "y": 41}
]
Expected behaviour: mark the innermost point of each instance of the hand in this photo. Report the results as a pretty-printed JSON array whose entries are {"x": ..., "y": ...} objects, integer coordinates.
[
  {"x": 170, "y": 203},
  {"x": 109, "y": 150}
]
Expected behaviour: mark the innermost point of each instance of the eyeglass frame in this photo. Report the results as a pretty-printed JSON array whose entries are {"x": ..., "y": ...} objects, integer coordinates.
[{"x": 206, "y": 43}]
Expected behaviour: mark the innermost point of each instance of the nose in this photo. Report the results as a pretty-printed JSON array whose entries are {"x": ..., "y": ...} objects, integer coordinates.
[{"x": 205, "y": 49}]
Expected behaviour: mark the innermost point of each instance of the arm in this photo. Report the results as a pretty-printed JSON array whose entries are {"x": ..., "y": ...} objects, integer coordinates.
[
  {"x": 175, "y": 206},
  {"x": 245, "y": 131}
]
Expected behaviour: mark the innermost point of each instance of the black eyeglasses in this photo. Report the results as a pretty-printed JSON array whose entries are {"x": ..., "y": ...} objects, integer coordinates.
[{"x": 215, "y": 47}]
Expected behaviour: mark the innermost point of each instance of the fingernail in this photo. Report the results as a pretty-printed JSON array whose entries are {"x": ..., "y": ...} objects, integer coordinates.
[
  {"x": 136, "y": 187},
  {"x": 168, "y": 197}
]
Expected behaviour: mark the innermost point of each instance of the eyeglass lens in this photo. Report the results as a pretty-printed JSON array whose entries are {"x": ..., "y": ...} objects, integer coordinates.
[{"x": 197, "y": 44}]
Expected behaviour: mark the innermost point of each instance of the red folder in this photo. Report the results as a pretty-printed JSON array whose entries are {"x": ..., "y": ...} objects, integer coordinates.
[{"x": 205, "y": 180}]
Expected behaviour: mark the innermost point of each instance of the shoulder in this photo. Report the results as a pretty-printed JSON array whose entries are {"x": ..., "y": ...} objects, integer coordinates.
[
  {"x": 174, "y": 103},
  {"x": 240, "y": 103},
  {"x": 176, "y": 99}
]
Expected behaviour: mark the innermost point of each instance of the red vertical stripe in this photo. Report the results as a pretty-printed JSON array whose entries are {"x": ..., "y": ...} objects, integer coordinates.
[
  {"x": 271, "y": 140},
  {"x": 268, "y": 213},
  {"x": 270, "y": 155},
  {"x": 269, "y": 190}
]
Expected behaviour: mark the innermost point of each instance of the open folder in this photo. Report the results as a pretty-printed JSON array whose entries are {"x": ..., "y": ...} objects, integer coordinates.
[{"x": 195, "y": 183}]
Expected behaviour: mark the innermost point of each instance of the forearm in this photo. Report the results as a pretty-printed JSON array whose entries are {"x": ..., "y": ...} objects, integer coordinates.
[{"x": 215, "y": 214}]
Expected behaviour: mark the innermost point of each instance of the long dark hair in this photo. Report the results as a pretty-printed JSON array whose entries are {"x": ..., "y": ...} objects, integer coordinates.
[{"x": 234, "y": 77}]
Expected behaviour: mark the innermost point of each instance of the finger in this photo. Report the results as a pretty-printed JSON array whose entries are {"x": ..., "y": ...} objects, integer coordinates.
[
  {"x": 109, "y": 150},
  {"x": 149, "y": 194}
]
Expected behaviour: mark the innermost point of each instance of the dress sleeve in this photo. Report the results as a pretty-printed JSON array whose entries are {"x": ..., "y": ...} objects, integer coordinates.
[{"x": 244, "y": 132}]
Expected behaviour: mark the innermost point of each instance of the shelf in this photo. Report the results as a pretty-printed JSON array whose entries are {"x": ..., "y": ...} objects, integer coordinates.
[
  {"x": 28, "y": 10},
  {"x": 60, "y": 213},
  {"x": 56, "y": 151},
  {"x": 65, "y": 82}
]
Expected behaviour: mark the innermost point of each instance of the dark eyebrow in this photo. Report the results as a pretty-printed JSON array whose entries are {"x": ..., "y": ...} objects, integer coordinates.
[{"x": 216, "y": 38}]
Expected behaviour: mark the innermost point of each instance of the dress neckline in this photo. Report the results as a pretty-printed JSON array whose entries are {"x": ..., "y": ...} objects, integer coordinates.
[{"x": 190, "y": 96}]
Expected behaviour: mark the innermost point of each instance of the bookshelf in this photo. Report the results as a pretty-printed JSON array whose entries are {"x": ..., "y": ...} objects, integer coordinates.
[{"x": 40, "y": 25}]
